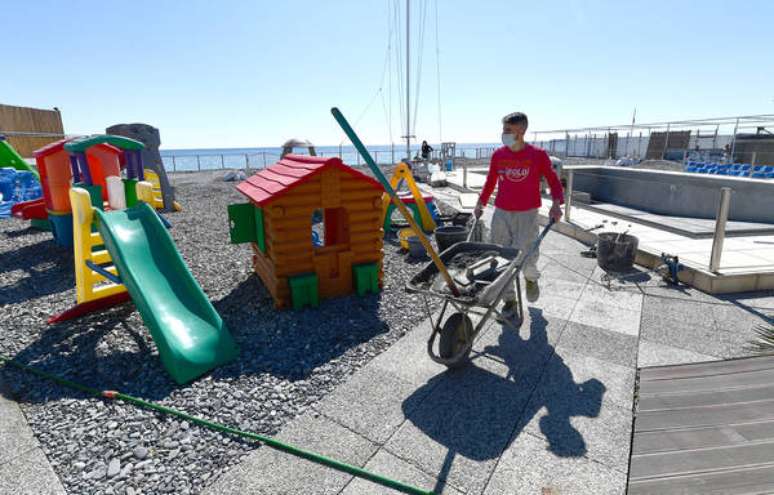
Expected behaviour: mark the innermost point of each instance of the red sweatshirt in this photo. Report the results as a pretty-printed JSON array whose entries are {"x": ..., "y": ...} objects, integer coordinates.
[{"x": 517, "y": 175}]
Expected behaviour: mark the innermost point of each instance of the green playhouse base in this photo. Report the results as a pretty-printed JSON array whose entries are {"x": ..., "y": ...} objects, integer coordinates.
[
  {"x": 303, "y": 290},
  {"x": 366, "y": 278}
]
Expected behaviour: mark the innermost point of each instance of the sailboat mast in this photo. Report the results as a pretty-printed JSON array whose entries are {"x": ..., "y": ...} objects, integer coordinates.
[{"x": 408, "y": 87}]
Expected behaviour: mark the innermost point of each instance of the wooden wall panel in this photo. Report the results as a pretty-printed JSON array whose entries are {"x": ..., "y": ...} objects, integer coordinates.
[{"x": 24, "y": 119}]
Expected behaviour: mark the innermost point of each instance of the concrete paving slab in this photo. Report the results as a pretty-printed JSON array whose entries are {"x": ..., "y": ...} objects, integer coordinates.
[
  {"x": 684, "y": 334},
  {"x": 29, "y": 474},
  {"x": 604, "y": 438},
  {"x": 677, "y": 312},
  {"x": 596, "y": 312},
  {"x": 762, "y": 300},
  {"x": 24, "y": 467},
  {"x": 601, "y": 344},
  {"x": 528, "y": 466},
  {"x": 374, "y": 402},
  {"x": 655, "y": 354},
  {"x": 527, "y": 349},
  {"x": 387, "y": 464},
  {"x": 553, "y": 271},
  {"x": 556, "y": 300},
  {"x": 614, "y": 296},
  {"x": 459, "y": 431},
  {"x": 268, "y": 472},
  {"x": 552, "y": 285},
  {"x": 586, "y": 379},
  {"x": 571, "y": 259},
  {"x": 15, "y": 441},
  {"x": 407, "y": 359},
  {"x": 735, "y": 319}
]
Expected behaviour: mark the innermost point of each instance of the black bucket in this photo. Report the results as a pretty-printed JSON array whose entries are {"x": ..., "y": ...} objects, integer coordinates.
[
  {"x": 616, "y": 252},
  {"x": 449, "y": 235}
]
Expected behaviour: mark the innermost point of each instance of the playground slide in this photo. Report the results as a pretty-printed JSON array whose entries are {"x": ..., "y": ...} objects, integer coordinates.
[
  {"x": 190, "y": 335},
  {"x": 10, "y": 158}
]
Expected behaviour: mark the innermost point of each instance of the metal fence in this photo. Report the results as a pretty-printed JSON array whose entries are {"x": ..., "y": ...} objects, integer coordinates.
[{"x": 193, "y": 162}]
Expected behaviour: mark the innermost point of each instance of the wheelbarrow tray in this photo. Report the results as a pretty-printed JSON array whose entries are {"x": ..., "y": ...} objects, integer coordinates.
[{"x": 422, "y": 282}]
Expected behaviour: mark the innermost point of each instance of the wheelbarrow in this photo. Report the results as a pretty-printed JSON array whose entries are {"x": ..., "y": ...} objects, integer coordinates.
[{"x": 483, "y": 272}]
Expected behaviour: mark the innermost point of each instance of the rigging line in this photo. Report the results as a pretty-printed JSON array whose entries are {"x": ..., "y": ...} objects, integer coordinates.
[
  {"x": 420, "y": 57},
  {"x": 388, "y": 109},
  {"x": 438, "y": 74},
  {"x": 377, "y": 93},
  {"x": 399, "y": 62}
]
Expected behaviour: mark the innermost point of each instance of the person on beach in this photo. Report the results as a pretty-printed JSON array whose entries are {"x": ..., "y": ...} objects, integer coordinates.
[
  {"x": 426, "y": 150},
  {"x": 517, "y": 169}
]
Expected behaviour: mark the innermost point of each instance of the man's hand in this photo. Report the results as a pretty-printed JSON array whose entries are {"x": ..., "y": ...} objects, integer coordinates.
[
  {"x": 556, "y": 212},
  {"x": 479, "y": 210}
]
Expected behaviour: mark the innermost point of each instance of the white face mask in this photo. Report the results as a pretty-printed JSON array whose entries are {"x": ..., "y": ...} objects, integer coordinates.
[{"x": 508, "y": 139}]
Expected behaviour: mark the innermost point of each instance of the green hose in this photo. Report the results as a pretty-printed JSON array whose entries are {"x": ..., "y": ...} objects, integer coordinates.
[{"x": 276, "y": 444}]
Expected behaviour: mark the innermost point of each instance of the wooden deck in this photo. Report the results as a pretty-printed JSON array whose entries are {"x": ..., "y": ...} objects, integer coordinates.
[{"x": 705, "y": 428}]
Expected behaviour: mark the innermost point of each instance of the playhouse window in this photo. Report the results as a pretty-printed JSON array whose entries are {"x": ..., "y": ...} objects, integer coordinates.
[{"x": 330, "y": 227}]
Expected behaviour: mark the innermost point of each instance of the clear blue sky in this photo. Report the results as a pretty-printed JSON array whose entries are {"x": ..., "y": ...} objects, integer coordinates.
[{"x": 253, "y": 73}]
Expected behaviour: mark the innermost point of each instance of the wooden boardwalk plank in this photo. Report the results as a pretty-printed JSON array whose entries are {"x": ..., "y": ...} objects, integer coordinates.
[
  {"x": 725, "y": 414},
  {"x": 699, "y": 438},
  {"x": 700, "y": 461},
  {"x": 737, "y": 482},
  {"x": 708, "y": 398},
  {"x": 706, "y": 369},
  {"x": 709, "y": 383},
  {"x": 705, "y": 429}
]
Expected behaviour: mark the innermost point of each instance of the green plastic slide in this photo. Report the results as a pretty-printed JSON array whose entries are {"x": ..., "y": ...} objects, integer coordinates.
[
  {"x": 10, "y": 158},
  {"x": 190, "y": 335}
]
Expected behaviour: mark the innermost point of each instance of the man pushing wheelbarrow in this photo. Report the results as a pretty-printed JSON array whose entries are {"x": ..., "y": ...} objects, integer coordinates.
[
  {"x": 472, "y": 278},
  {"x": 516, "y": 169}
]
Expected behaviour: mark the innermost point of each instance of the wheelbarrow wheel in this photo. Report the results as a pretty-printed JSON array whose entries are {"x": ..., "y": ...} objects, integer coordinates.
[{"x": 455, "y": 336}]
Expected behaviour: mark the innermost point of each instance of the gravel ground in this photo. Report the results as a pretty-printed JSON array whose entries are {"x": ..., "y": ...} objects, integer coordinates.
[{"x": 289, "y": 360}]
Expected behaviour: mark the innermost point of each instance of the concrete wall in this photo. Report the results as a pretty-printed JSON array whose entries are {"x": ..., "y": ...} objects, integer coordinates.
[{"x": 676, "y": 193}]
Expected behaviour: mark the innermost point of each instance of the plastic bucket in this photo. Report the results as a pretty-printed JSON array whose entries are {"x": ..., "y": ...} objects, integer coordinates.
[
  {"x": 616, "y": 252},
  {"x": 416, "y": 249},
  {"x": 449, "y": 235}
]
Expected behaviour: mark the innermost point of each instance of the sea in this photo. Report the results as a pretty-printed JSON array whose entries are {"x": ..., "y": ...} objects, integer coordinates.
[{"x": 185, "y": 160}]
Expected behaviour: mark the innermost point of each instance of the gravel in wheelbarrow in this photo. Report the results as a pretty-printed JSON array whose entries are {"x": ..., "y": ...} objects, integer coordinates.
[{"x": 458, "y": 259}]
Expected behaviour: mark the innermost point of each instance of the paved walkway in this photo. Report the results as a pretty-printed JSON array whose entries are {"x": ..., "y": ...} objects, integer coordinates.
[
  {"x": 24, "y": 468},
  {"x": 544, "y": 410}
]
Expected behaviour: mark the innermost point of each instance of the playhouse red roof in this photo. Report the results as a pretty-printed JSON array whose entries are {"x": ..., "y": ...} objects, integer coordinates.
[{"x": 291, "y": 171}]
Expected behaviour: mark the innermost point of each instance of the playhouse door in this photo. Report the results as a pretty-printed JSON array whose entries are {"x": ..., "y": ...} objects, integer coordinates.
[{"x": 334, "y": 271}]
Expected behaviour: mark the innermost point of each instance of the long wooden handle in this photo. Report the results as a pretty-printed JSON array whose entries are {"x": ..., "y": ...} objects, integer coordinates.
[{"x": 395, "y": 199}]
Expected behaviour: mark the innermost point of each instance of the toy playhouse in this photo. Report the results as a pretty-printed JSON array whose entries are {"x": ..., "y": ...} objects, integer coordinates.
[{"x": 278, "y": 221}]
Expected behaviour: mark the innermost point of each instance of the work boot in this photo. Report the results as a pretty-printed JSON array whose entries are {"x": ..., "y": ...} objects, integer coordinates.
[{"x": 533, "y": 290}]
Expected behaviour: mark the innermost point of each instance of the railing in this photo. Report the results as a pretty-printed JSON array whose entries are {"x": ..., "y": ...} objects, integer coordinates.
[
  {"x": 196, "y": 162},
  {"x": 193, "y": 162},
  {"x": 721, "y": 218}
]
